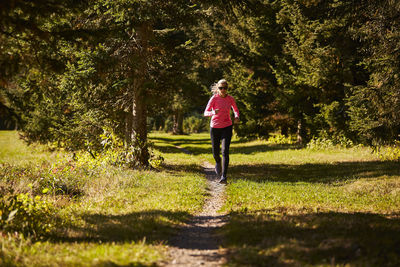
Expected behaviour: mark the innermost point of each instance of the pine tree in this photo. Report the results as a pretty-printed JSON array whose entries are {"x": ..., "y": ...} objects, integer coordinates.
[
  {"x": 374, "y": 104},
  {"x": 114, "y": 60}
]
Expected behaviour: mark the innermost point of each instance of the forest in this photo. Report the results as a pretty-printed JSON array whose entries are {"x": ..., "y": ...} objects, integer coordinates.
[
  {"x": 74, "y": 71},
  {"x": 105, "y": 152}
]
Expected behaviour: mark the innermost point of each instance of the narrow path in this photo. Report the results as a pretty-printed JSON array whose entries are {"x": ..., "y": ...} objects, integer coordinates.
[{"x": 197, "y": 244}]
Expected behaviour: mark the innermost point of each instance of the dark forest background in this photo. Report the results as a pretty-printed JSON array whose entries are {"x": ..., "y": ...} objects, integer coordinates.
[{"x": 73, "y": 72}]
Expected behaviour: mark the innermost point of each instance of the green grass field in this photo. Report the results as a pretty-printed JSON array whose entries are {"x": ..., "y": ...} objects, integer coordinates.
[
  {"x": 287, "y": 206},
  {"x": 305, "y": 207},
  {"x": 106, "y": 216},
  {"x": 301, "y": 207}
]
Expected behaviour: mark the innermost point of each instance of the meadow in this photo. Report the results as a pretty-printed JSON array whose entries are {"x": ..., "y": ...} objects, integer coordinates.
[
  {"x": 83, "y": 212},
  {"x": 300, "y": 207},
  {"x": 295, "y": 206},
  {"x": 287, "y": 205}
]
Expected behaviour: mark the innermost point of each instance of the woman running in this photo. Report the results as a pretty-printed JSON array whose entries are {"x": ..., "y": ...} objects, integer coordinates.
[{"x": 219, "y": 107}]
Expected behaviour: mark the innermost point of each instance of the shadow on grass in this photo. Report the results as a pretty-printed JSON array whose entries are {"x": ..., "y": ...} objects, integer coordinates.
[
  {"x": 191, "y": 168},
  {"x": 362, "y": 239},
  {"x": 318, "y": 173},
  {"x": 196, "y": 146},
  {"x": 261, "y": 148},
  {"x": 173, "y": 139},
  {"x": 154, "y": 226}
]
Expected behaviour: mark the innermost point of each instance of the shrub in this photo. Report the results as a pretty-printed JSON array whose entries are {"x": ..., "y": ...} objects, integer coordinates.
[
  {"x": 168, "y": 125},
  {"x": 195, "y": 124},
  {"x": 279, "y": 139},
  {"x": 62, "y": 184},
  {"x": 114, "y": 151},
  {"x": 25, "y": 214},
  {"x": 324, "y": 142},
  {"x": 60, "y": 178},
  {"x": 391, "y": 152}
]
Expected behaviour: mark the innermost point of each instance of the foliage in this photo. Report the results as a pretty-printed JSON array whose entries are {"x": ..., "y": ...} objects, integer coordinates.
[
  {"x": 195, "y": 124},
  {"x": 169, "y": 124},
  {"x": 58, "y": 178},
  {"x": 113, "y": 58},
  {"x": 26, "y": 214},
  {"x": 388, "y": 152},
  {"x": 374, "y": 103},
  {"x": 293, "y": 66},
  {"x": 116, "y": 153},
  {"x": 61, "y": 179},
  {"x": 324, "y": 141},
  {"x": 279, "y": 139}
]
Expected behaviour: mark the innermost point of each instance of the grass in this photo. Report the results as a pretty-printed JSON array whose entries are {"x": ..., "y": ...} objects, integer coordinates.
[
  {"x": 301, "y": 207},
  {"x": 103, "y": 215},
  {"x": 13, "y": 150},
  {"x": 288, "y": 206}
]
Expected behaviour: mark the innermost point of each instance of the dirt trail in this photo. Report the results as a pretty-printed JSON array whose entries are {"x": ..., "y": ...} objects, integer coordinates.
[{"x": 197, "y": 244}]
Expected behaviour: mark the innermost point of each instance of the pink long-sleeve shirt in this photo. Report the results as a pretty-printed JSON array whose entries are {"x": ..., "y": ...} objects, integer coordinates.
[{"x": 224, "y": 104}]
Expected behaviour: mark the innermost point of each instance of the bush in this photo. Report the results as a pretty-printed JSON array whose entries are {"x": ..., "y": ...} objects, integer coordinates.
[
  {"x": 391, "y": 152},
  {"x": 168, "y": 125},
  {"x": 25, "y": 214},
  {"x": 60, "y": 178},
  {"x": 324, "y": 142},
  {"x": 114, "y": 152},
  {"x": 279, "y": 139},
  {"x": 195, "y": 124}
]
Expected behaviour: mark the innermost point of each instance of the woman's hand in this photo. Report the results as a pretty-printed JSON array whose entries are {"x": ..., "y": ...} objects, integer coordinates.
[{"x": 236, "y": 121}]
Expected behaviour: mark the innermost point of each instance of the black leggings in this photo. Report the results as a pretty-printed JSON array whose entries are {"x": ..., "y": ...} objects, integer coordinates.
[{"x": 224, "y": 135}]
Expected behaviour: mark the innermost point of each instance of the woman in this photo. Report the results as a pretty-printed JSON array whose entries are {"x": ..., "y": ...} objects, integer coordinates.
[{"x": 219, "y": 107}]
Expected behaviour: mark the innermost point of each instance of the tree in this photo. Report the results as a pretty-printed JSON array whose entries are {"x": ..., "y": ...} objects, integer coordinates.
[
  {"x": 114, "y": 61},
  {"x": 239, "y": 41},
  {"x": 374, "y": 104},
  {"x": 317, "y": 63}
]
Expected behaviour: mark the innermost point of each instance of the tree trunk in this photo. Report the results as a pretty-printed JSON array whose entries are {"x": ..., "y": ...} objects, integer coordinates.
[
  {"x": 178, "y": 122},
  {"x": 139, "y": 106},
  {"x": 139, "y": 128},
  {"x": 128, "y": 127},
  {"x": 300, "y": 132}
]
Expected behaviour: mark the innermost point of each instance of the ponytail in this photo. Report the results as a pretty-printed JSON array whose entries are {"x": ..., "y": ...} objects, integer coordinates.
[{"x": 214, "y": 87}]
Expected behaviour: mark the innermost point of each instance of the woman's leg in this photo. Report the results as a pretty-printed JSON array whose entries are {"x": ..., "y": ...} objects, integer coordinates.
[
  {"x": 226, "y": 141},
  {"x": 216, "y": 142}
]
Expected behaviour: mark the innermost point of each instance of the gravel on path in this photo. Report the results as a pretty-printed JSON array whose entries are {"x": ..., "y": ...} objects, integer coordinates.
[{"x": 198, "y": 243}]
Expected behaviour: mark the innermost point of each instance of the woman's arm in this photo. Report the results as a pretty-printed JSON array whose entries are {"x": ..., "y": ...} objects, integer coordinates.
[
  {"x": 235, "y": 108},
  {"x": 208, "y": 112}
]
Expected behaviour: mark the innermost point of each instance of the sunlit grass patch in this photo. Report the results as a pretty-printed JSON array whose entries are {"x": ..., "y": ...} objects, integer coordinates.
[
  {"x": 23, "y": 252},
  {"x": 199, "y": 145},
  {"x": 381, "y": 195},
  {"x": 14, "y": 150}
]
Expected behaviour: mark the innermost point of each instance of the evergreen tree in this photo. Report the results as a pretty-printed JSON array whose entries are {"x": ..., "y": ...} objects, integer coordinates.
[
  {"x": 118, "y": 57},
  {"x": 316, "y": 65},
  {"x": 374, "y": 104}
]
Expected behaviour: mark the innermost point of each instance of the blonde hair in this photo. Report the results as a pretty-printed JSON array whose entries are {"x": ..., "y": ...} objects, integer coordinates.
[{"x": 214, "y": 86}]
